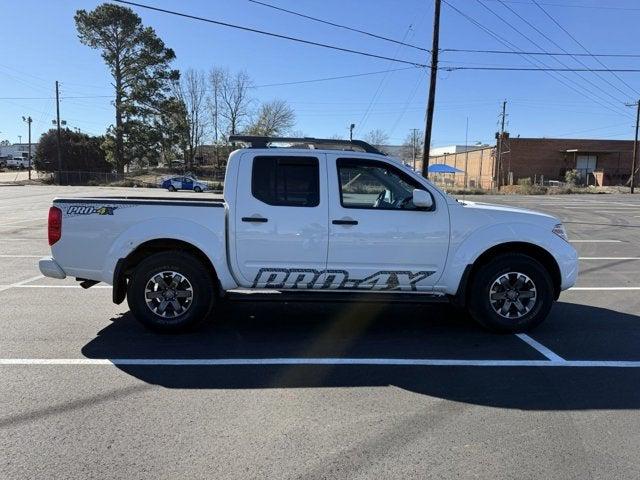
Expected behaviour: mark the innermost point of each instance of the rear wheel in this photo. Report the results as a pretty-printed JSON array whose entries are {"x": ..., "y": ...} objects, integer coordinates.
[
  {"x": 512, "y": 293},
  {"x": 171, "y": 291}
]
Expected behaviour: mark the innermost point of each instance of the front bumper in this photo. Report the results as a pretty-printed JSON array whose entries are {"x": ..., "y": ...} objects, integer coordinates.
[{"x": 50, "y": 268}]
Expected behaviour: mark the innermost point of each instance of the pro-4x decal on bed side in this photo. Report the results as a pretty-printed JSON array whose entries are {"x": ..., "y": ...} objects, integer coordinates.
[{"x": 305, "y": 278}]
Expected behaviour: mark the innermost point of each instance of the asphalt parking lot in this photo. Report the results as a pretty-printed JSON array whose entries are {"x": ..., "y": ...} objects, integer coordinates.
[{"x": 301, "y": 390}]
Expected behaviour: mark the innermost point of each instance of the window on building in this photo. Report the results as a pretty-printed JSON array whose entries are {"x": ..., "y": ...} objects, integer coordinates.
[
  {"x": 586, "y": 164},
  {"x": 286, "y": 181}
]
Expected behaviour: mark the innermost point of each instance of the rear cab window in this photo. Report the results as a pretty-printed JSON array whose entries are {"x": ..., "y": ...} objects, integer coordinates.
[{"x": 286, "y": 181}]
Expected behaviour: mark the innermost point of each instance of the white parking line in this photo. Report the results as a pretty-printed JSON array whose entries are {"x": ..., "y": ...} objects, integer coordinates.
[
  {"x": 430, "y": 362},
  {"x": 604, "y": 288},
  {"x": 594, "y": 241},
  {"x": 60, "y": 286},
  {"x": 609, "y": 207},
  {"x": 22, "y": 256},
  {"x": 554, "y": 357},
  {"x": 20, "y": 284},
  {"x": 608, "y": 258}
]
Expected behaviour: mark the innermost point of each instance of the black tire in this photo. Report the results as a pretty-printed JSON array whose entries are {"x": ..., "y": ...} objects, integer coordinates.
[
  {"x": 522, "y": 316},
  {"x": 193, "y": 308},
  {"x": 171, "y": 188},
  {"x": 197, "y": 189}
]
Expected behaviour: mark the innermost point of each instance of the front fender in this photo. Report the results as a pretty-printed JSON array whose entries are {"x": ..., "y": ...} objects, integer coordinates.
[
  {"x": 467, "y": 250},
  {"x": 211, "y": 243}
]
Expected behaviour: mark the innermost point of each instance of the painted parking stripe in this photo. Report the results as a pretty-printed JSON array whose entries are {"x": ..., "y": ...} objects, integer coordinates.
[
  {"x": 604, "y": 288},
  {"x": 430, "y": 362},
  {"x": 554, "y": 357},
  {"x": 608, "y": 258},
  {"x": 60, "y": 286},
  {"x": 21, "y": 283},
  {"x": 22, "y": 256},
  {"x": 594, "y": 241}
]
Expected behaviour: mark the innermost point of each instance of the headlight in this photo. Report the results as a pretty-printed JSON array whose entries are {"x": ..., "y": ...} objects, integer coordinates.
[{"x": 560, "y": 231}]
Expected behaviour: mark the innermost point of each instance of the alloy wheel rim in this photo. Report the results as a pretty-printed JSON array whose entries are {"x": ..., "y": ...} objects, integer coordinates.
[
  {"x": 513, "y": 295},
  {"x": 168, "y": 294}
]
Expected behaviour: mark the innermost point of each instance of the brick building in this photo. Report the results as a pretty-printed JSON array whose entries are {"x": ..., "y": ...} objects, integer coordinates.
[{"x": 598, "y": 162}]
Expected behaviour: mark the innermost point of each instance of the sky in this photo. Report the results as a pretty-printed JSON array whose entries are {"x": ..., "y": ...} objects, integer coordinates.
[{"x": 40, "y": 45}]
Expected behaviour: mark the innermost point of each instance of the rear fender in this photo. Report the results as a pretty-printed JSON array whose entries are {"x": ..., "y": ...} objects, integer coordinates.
[{"x": 211, "y": 243}]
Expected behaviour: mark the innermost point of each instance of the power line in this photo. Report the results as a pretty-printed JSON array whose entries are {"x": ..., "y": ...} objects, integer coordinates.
[
  {"x": 565, "y": 5},
  {"x": 582, "y": 46},
  {"x": 541, "y": 53},
  {"x": 561, "y": 48},
  {"x": 271, "y": 34},
  {"x": 526, "y": 37},
  {"x": 544, "y": 69},
  {"x": 562, "y": 80},
  {"x": 52, "y": 98},
  {"x": 326, "y": 79},
  {"x": 381, "y": 85},
  {"x": 326, "y": 22}
]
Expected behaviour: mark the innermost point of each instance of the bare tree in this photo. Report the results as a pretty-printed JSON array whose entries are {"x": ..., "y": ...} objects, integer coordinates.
[
  {"x": 234, "y": 103},
  {"x": 192, "y": 92},
  {"x": 377, "y": 138},
  {"x": 216, "y": 77},
  {"x": 273, "y": 118},
  {"x": 412, "y": 146}
]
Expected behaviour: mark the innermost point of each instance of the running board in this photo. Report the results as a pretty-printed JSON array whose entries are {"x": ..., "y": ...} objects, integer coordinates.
[{"x": 248, "y": 295}]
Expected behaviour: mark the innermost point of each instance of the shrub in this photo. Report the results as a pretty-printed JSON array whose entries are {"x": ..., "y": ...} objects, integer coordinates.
[
  {"x": 524, "y": 182},
  {"x": 571, "y": 177}
]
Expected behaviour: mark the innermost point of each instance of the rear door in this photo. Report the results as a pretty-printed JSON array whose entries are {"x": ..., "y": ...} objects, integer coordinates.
[
  {"x": 281, "y": 224},
  {"x": 378, "y": 240}
]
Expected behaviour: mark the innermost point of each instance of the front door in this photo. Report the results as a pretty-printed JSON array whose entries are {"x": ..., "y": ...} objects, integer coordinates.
[
  {"x": 281, "y": 225},
  {"x": 187, "y": 183},
  {"x": 378, "y": 240}
]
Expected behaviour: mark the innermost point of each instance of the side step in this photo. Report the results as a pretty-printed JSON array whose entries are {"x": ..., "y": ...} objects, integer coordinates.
[{"x": 247, "y": 295}]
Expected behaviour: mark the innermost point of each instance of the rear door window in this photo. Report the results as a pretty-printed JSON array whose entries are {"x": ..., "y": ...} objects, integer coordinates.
[{"x": 286, "y": 181}]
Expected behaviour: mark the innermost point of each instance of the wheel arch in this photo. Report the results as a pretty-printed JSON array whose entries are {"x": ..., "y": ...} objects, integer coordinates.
[
  {"x": 534, "y": 251},
  {"x": 125, "y": 266}
]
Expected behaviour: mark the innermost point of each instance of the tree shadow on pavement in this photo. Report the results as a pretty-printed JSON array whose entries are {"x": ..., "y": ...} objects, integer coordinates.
[{"x": 375, "y": 330}]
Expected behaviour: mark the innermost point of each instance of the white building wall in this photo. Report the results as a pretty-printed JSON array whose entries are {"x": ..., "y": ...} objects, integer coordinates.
[{"x": 17, "y": 150}]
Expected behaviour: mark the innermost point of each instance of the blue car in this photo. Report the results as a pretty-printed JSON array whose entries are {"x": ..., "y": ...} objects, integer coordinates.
[{"x": 183, "y": 183}]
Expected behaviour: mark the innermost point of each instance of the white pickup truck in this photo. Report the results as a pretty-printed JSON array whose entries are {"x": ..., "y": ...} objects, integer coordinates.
[{"x": 324, "y": 216}]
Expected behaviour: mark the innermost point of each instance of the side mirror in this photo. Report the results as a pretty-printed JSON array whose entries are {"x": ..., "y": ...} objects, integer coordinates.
[{"x": 422, "y": 199}]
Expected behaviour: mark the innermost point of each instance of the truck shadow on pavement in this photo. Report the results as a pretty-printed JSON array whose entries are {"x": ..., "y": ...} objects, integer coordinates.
[{"x": 374, "y": 330}]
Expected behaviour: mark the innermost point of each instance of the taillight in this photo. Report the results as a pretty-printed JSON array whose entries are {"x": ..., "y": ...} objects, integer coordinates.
[{"x": 55, "y": 225}]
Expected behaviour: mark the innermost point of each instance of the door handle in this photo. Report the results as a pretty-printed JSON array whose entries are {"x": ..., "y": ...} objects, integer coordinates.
[
  {"x": 255, "y": 219},
  {"x": 345, "y": 222}
]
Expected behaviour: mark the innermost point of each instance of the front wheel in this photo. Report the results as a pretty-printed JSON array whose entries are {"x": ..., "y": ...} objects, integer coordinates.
[
  {"x": 171, "y": 291},
  {"x": 197, "y": 189},
  {"x": 512, "y": 293}
]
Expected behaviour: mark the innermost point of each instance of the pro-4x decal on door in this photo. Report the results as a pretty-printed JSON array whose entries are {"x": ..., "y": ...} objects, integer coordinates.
[{"x": 301, "y": 278}]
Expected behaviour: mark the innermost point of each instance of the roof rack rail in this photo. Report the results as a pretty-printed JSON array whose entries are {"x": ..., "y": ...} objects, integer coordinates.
[{"x": 263, "y": 142}]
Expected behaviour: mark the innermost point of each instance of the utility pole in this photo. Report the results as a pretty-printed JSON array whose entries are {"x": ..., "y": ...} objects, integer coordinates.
[
  {"x": 432, "y": 89},
  {"x": 58, "y": 125},
  {"x": 466, "y": 153},
  {"x": 28, "y": 120},
  {"x": 634, "y": 162},
  {"x": 500, "y": 139},
  {"x": 351, "y": 127},
  {"x": 414, "y": 145}
]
